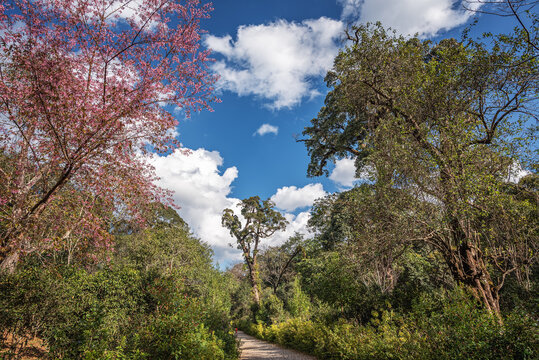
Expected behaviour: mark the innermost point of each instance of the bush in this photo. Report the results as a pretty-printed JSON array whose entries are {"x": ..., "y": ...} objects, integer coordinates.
[
  {"x": 462, "y": 329},
  {"x": 455, "y": 328},
  {"x": 112, "y": 313},
  {"x": 271, "y": 310}
]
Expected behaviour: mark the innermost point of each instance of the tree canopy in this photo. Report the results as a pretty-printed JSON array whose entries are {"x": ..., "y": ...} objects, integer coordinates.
[
  {"x": 83, "y": 87},
  {"x": 445, "y": 123},
  {"x": 261, "y": 221}
]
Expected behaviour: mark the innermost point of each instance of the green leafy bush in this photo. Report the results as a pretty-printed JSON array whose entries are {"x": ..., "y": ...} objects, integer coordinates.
[
  {"x": 271, "y": 310},
  {"x": 112, "y": 313},
  {"x": 456, "y": 328}
]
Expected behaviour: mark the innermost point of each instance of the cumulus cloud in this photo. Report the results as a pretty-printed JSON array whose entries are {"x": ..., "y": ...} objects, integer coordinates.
[
  {"x": 516, "y": 172},
  {"x": 350, "y": 8},
  {"x": 202, "y": 191},
  {"x": 276, "y": 61},
  {"x": 290, "y": 198},
  {"x": 296, "y": 224},
  {"x": 344, "y": 173},
  {"x": 408, "y": 17},
  {"x": 267, "y": 129}
]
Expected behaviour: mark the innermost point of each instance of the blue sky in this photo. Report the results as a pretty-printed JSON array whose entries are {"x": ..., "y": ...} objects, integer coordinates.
[{"x": 272, "y": 57}]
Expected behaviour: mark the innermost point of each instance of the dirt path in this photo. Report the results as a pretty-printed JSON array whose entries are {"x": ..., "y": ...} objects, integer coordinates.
[{"x": 254, "y": 349}]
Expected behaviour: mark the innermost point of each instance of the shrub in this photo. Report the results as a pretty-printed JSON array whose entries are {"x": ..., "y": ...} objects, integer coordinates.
[
  {"x": 271, "y": 310},
  {"x": 112, "y": 313},
  {"x": 454, "y": 328}
]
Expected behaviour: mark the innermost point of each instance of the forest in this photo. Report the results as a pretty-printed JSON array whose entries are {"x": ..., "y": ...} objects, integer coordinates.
[{"x": 432, "y": 256}]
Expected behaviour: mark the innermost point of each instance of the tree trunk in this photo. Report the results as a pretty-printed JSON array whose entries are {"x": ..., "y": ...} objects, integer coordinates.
[
  {"x": 253, "y": 278},
  {"x": 463, "y": 257},
  {"x": 468, "y": 268},
  {"x": 9, "y": 261}
]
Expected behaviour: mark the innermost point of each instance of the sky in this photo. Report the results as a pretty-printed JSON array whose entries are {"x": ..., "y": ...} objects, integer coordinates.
[{"x": 272, "y": 56}]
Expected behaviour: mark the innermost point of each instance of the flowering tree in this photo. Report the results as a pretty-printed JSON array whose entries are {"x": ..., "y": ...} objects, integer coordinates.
[{"x": 84, "y": 91}]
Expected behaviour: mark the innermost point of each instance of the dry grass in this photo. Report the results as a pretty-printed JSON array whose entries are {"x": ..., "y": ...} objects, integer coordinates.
[{"x": 22, "y": 347}]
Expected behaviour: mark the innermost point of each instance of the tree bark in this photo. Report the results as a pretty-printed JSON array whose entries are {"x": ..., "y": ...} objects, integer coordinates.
[
  {"x": 468, "y": 268},
  {"x": 464, "y": 258},
  {"x": 253, "y": 278},
  {"x": 9, "y": 262}
]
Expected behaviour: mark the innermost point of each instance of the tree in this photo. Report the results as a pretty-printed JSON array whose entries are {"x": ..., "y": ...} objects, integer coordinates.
[
  {"x": 261, "y": 221},
  {"x": 368, "y": 226},
  {"x": 84, "y": 92},
  {"x": 166, "y": 246},
  {"x": 521, "y": 10},
  {"x": 277, "y": 261},
  {"x": 443, "y": 122}
]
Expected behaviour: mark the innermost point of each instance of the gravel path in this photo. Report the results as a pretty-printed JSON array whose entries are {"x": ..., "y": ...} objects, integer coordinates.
[{"x": 254, "y": 349}]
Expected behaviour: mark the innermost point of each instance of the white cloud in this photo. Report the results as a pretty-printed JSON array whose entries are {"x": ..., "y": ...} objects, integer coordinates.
[
  {"x": 516, "y": 172},
  {"x": 116, "y": 11},
  {"x": 425, "y": 17},
  {"x": 172, "y": 133},
  {"x": 267, "y": 129},
  {"x": 277, "y": 60},
  {"x": 296, "y": 223},
  {"x": 350, "y": 8},
  {"x": 290, "y": 198},
  {"x": 201, "y": 190},
  {"x": 344, "y": 173}
]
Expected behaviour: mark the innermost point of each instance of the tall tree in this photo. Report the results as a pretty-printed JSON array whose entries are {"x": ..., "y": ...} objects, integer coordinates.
[
  {"x": 443, "y": 122},
  {"x": 84, "y": 87},
  {"x": 261, "y": 221}
]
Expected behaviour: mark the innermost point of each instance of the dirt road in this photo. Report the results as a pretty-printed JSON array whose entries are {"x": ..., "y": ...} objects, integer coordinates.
[{"x": 254, "y": 349}]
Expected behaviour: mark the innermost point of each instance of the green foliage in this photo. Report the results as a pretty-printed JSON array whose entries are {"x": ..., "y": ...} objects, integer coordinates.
[
  {"x": 165, "y": 246},
  {"x": 159, "y": 298},
  {"x": 172, "y": 337},
  {"x": 271, "y": 309},
  {"x": 454, "y": 327},
  {"x": 278, "y": 263},
  {"x": 329, "y": 279},
  {"x": 112, "y": 313},
  {"x": 436, "y": 128},
  {"x": 457, "y": 327},
  {"x": 369, "y": 225},
  {"x": 261, "y": 221},
  {"x": 299, "y": 303},
  {"x": 241, "y": 300}
]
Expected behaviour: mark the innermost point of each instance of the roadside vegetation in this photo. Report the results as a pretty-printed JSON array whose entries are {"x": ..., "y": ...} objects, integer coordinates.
[
  {"x": 158, "y": 297},
  {"x": 432, "y": 255}
]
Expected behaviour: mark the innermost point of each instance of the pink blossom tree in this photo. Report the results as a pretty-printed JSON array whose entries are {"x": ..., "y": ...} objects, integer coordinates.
[{"x": 86, "y": 89}]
